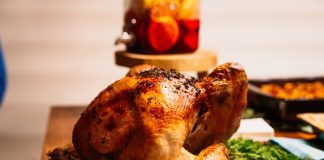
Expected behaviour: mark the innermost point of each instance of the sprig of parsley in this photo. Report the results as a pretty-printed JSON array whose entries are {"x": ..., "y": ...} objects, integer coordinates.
[{"x": 247, "y": 149}]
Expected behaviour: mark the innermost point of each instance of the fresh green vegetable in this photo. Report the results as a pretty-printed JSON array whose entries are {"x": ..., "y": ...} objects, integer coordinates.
[{"x": 247, "y": 149}]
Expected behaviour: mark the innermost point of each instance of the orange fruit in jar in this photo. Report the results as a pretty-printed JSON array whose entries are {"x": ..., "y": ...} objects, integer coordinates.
[
  {"x": 163, "y": 33},
  {"x": 160, "y": 8}
]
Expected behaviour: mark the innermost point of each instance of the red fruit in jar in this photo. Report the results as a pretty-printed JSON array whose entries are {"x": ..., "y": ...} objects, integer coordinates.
[
  {"x": 191, "y": 40},
  {"x": 163, "y": 33},
  {"x": 191, "y": 24}
]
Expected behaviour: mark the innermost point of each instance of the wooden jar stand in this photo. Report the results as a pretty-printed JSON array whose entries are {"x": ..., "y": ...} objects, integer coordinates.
[{"x": 199, "y": 61}]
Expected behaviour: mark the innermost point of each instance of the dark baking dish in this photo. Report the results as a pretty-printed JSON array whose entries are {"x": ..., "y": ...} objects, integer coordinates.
[{"x": 284, "y": 109}]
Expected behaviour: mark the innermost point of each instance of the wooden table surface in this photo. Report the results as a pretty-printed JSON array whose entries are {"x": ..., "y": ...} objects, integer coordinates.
[
  {"x": 63, "y": 118},
  {"x": 59, "y": 129}
]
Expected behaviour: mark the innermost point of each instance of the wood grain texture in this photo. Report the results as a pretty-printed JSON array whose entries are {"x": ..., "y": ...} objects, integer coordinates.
[
  {"x": 199, "y": 61},
  {"x": 63, "y": 118},
  {"x": 60, "y": 126},
  {"x": 303, "y": 135}
]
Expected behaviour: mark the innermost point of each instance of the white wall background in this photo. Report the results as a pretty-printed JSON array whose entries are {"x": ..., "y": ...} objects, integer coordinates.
[{"x": 60, "y": 52}]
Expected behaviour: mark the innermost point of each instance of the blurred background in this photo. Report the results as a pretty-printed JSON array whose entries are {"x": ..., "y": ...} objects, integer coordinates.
[{"x": 62, "y": 53}]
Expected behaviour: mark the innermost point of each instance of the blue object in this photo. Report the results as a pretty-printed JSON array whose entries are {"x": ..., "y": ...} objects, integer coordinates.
[
  {"x": 299, "y": 147},
  {"x": 3, "y": 78}
]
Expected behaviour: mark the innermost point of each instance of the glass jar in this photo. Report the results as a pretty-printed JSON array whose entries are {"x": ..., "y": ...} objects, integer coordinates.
[{"x": 161, "y": 26}]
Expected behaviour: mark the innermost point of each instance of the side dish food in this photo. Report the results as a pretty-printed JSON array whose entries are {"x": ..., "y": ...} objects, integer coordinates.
[
  {"x": 245, "y": 149},
  {"x": 295, "y": 90}
]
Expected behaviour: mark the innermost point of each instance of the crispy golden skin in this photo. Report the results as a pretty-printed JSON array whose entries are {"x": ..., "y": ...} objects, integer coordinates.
[
  {"x": 225, "y": 91},
  {"x": 154, "y": 114}
]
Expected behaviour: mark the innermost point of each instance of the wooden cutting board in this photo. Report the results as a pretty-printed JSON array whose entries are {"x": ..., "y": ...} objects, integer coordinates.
[
  {"x": 59, "y": 129},
  {"x": 62, "y": 119}
]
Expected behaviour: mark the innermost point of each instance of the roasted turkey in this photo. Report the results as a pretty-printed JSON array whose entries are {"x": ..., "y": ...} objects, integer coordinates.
[{"x": 153, "y": 114}]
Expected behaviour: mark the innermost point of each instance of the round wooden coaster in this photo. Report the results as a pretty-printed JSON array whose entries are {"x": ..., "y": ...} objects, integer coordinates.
[{"x": 199, "y": 61}]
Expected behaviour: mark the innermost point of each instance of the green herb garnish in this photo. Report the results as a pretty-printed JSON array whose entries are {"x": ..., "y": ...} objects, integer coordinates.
[{"x": 247, "y": 149}]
